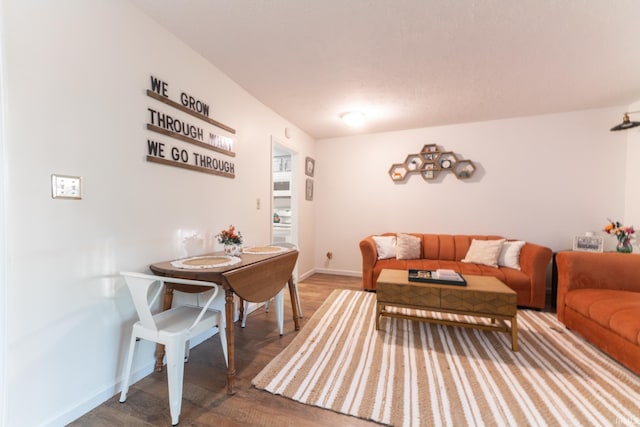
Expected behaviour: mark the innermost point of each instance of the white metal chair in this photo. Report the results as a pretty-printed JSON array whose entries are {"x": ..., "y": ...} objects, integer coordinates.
[
  {"x": 278, "y": 299},
  {"x": 173, "y": 328}
]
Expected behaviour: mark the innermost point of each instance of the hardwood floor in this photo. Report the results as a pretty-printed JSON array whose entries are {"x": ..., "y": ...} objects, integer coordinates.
[{"x": 205, "y": 402}]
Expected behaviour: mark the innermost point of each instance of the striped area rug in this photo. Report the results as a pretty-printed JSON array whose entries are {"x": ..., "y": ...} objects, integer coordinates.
[{"x": 419, "y": 374}]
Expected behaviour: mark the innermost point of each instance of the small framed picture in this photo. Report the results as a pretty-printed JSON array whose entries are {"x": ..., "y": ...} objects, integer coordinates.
[
  {"x": 309, "y": 166},
  {"x": 588, "y": 243},
  {"x": 309, "y": 190}
]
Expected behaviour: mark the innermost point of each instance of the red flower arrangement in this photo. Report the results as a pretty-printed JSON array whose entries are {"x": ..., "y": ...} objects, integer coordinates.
[
  {"x": 621, "y": 232},
  {"x": 230, "y": 236}
]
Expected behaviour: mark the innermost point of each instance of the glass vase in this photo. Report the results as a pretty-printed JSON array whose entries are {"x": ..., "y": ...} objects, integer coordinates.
[
  {"x": 624, "y": 246},
  {"x": 233, "y": 249}
]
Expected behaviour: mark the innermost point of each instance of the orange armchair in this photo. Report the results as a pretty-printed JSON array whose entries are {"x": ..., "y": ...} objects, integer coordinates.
[{"x": 599, "y": 298}]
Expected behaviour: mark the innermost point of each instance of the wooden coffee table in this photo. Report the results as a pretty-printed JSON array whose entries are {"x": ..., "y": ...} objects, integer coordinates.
[{"x": 484, "y": 296}]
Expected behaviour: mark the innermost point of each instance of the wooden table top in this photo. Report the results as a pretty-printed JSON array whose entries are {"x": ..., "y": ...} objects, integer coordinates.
[
  {"x": 251, "y": 284},
  {"x": 185, "y": 273},
  {"x": 474, "y": 283}
]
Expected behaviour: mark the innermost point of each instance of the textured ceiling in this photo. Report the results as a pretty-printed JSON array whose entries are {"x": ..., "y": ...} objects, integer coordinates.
[{"x": 415, "y": 63}]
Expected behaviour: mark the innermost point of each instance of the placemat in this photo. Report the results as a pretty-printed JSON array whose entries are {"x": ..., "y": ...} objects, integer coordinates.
[
  {"x": 264, "y": 250},
  {"x": 213, "y": 261}
]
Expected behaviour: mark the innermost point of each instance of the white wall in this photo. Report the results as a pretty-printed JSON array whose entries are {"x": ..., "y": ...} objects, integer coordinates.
[
  {"x": 632, "y": 194},
  {"x": 543, "y": 179},
  {"x": 75, "y": 74},
  {"x": 3, "y": 239}
]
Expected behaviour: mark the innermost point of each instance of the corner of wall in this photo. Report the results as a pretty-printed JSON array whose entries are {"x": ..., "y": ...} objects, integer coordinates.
[
  {"x": 632, "y": 168},
  {"x": 3, "y": 235}
]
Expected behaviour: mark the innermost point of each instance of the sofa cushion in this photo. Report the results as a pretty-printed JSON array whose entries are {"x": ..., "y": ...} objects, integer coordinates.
[
  {"x": 510, "y": 254},
  {"x": 386, "y": 246},
  {"x": 613, "y": 309},
  {"x": 484, "y": 252},
  {"x": 408, "y": 247},
  {"x": 627, "y": 324}
]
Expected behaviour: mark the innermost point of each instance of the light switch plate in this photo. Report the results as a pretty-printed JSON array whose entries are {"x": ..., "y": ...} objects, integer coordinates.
[{"x": 66, "y": 187}]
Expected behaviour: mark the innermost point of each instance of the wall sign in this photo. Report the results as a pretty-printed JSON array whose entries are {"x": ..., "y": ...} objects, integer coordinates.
[
  {"x": 189, "y": 131},
  {"x": 430, "y": 162}
]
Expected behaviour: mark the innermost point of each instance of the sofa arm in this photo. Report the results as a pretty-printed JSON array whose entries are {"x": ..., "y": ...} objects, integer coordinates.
[
  {"x": 369, "y": 259},
  {"x": 589, "y": 270},
  {"x": 534, "y": 260}
]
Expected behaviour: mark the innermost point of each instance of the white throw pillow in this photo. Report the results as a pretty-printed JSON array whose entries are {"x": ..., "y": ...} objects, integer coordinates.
[
  {"x": 408, "y": 247},
  {"x": 510, "y": 254},
  {"x": 386, "y": 246},
  {"x": 484, "y": 252}
]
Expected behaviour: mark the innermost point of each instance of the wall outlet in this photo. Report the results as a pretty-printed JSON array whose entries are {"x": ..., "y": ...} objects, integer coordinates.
[{"x": 66, "y": 187}]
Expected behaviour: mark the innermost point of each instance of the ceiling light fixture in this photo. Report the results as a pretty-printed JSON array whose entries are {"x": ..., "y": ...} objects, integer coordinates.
[
  {"x": 353, "y": 118},
  {"x": 626, "y": 123}
]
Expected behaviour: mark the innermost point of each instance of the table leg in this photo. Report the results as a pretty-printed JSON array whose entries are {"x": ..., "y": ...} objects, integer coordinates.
[
  {"x": 166, "y": 305},
  {"x": 241, "y": 309},
  {"x": 230, "y": 312},
  {"x": 294, "y": 304},
  {"x": 514, "y": 333}
]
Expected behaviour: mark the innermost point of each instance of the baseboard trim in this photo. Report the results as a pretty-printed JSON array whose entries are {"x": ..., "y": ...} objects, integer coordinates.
[
  {"x": 335, "y": 272},
  {"x": 99, "y": 398}
]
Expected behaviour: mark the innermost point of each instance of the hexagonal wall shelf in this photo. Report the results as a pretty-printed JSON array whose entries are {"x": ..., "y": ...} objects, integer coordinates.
[
  {"x": 464, "y": 169},
  {"x": 414, "y": 162},
  {"x": 398, "y": 171},
  {"x": 430, "y": 162}
]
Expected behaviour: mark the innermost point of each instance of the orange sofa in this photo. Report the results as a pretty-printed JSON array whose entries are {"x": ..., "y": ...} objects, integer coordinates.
[
  {"x": 599, "y": 298},
  {"x": 446, "y": 251}
]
